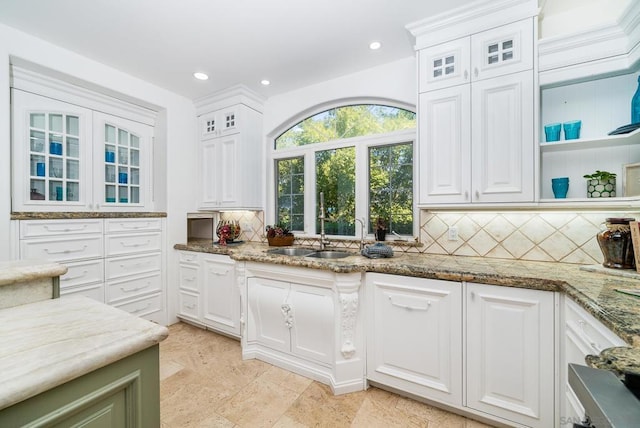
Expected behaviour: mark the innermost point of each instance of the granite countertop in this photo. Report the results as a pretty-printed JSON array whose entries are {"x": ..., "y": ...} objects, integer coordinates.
[
  {"x": 52, "y": 215},
  {"x": 48, "y": 343},
  {"x": 13, "y": 272},
  {"x": 594, "y": 291}
]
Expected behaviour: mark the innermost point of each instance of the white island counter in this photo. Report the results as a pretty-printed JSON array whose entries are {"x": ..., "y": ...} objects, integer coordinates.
[{"x": 60, "y": 343}]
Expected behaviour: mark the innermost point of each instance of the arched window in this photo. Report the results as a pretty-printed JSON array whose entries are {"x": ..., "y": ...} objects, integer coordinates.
[{"x": 360, "y": 157}]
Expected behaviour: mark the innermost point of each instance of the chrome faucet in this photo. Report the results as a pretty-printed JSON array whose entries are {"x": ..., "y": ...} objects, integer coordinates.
[
  {"x": 323, "y": 239},
  {"x": 361, "y": 221}
]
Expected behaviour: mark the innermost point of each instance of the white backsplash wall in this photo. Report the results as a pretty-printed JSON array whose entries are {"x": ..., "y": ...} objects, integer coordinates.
[
  {"x": 560, "y": 236},
  {"x": 251, "y": 222}
]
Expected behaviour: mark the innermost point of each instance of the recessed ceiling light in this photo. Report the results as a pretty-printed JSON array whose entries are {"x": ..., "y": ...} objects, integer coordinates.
[
  {"x": 200, "y": 76},
  {"x": 375, "y": 45},
  {"x": 265, "y": 82}
]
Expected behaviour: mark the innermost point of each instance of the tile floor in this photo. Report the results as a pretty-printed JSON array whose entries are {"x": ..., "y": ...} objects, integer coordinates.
[{"x": 205, "y": 383}]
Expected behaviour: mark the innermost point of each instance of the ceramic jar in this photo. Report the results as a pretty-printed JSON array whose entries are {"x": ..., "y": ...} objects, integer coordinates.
[{"x": 616, "y": 245}]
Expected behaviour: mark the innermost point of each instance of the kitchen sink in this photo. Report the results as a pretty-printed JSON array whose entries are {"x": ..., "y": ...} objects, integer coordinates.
[
  {"x": 327, "y": 254},
  {"x": 291, "y": 251}
]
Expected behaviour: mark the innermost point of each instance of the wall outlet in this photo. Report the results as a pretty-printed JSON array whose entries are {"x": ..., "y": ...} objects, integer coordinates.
[{"x": 453, "y": 233}]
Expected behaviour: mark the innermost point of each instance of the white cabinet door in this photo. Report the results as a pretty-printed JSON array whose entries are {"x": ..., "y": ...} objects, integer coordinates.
[
  {"x": 225, "y": 121},
  {"x": 415, "y": 336},
  {"x": 445, "y": 145},
  {"x": 51, "y": 154},
  {"x": 503, "y": 146},
  {"x": 444, "y": 65},
  {"x": 311, "y": 309},
  {"x": 268, "y": 320},
  {"x": 503, "y": 50},
  {"x": 510, "y": 353},
  {"x": 208, "y": 174},
  {"x": 122, "y": 160},
  {"x": 220, "y": 173},
  {"x": 221, "y": 296}
]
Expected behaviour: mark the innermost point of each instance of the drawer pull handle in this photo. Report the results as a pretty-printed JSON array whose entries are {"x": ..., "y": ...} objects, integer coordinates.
[
  {"x": 65, "y": 229},
  {"x": 129, "y": 290},
  {"x": 147, "y": 242},
  {"x": 69, "y": 278},
  {"x": 135, "y": 226},
  {"x": 409, "y": 307},
  {"x": 191, "y": 279},
  {"x": 124, "y": 266},
  {"x": 48, "y": 251},
  {"x": 141, "y": 309},
  {"x": 215, "y": 272},
  {"x": 191, "y": 306}
]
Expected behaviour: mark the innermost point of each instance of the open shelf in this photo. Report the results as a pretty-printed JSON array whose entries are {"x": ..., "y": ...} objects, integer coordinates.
[{"x": 588, "y": 143}]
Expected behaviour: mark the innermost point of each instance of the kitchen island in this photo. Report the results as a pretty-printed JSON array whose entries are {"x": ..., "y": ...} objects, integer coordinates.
[{"x": 74, "y": 359}]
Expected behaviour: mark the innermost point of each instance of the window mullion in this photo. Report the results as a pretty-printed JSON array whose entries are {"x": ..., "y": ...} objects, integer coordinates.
[{"x": 362, "y": 184}]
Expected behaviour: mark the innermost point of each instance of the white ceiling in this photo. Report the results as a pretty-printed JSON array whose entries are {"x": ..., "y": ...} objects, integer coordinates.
[{"x": 293, "y": 43}]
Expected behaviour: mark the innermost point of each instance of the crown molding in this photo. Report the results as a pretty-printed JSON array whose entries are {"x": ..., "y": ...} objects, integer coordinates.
[
  {"x": 238, "y": 94},
  {"x": 29, "y": 77},
  {"x": 603, "y": 51},
  {"x": 469, "y": 19}
]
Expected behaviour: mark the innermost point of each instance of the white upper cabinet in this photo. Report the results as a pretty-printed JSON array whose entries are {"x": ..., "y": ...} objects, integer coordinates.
[
  {"x": 69, "y": 158},
  {"x": 231, "y": 153},
  {"x": 476, "y": 118}
]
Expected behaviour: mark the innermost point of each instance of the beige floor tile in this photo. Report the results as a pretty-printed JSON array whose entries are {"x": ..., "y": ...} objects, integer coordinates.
[
  {"x": 286, "y": 379},
  {"x": 318, "y": 407},
  {"x": 259, "y": 404},
  {"x": 375, "y": 413},
  {"x": 169, "y": 368},
  {"x": 286, "y": 422}
]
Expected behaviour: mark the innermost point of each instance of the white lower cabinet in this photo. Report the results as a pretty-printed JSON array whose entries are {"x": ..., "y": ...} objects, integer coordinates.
[
  {"x": 414, "y": 339},
  {"x": 583, "y": 335},
  {"x": 489, "y": 350},
  {"x": 118, "y": 261},
  {"x": 307, "y": 321},
  {"x": 208, "y": 292},
  {"x": 510, "y": 353}
]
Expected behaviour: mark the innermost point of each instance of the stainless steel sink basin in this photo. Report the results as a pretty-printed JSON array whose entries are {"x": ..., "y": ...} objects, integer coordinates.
[
  {"x": 291, "y": 251},
  {"x": 327, "y": 254}
]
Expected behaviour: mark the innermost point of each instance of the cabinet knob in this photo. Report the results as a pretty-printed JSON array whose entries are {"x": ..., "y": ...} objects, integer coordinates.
[
  {"x": 475, "y": 72},
  {"x": 477, "y": 195},
  {"x": 466, "y": 195},
  {"x": 466, "y": 75}
]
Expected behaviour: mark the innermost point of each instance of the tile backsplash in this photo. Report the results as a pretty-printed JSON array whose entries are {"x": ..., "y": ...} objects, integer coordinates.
[{"x": 560, "y": 236}]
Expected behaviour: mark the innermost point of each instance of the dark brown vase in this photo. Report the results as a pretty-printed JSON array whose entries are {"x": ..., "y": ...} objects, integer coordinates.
[
  {"x": 616, "y": 245},
  {"x": 381, "y": 235}
]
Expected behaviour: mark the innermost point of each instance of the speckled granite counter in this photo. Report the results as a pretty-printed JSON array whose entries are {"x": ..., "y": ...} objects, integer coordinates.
[
  {"x": 593, "y": 291},
  {"x": 48, "y": 343},
  {"x": 48, "y": 215}
]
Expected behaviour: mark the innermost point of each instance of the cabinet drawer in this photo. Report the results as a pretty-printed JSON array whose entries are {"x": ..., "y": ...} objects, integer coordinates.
[
  {"x": 62, "y": 249},
  {"x": 80, "y": 273},
  {"x": 188, "y": 257},
  {"x": 116, "y": 245},
  {"x": 147, "y": 307},
  {"x": 133, "y": 287},
  {"x": 129, "y": 225},
  {"x": 594, "y": 335},
  {"x": 93, "y": 291},
  {"x": 189, "y": 278},
  {"x": 131, "y": 265},
  {"x": 188, "y": 305},
  {"x": 40, "y": 228}
]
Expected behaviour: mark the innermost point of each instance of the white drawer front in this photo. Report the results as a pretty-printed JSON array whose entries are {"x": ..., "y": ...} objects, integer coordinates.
[
  {"x": 93, "y": 291},
  {"x": 188, "y": 257},
  {"x": 592, "y": 332},
  {"x": 40, "y": 228},
  {"x": 145, "y": 307},
  {"x": 133, "y": 287},
  {"x": 128, "y": 225},
  {"x": 119, "y": 245},
  {"x": 189, "y": 278},
  {"x": 62, "y": 249},
  {"x": 80, "y": 273},
  {"x": 188, "y": 305},
  {"x": 132, "y": 265}
]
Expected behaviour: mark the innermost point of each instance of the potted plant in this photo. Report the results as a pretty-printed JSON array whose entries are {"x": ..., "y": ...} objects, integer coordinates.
[
  {"x": 601, "y": 184},
  {"x": 279, "y": 236},
  {"x": 381, "y": 229}
]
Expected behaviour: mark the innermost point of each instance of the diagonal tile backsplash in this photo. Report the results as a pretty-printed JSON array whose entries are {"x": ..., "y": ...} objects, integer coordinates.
[{"x": 560, "y": 236}]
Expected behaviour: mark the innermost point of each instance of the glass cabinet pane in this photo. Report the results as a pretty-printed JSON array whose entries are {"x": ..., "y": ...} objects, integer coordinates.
[
  {"x": 123, "y": 155},
  {"x": 135, "y": 195},
  {"x": 123, "y": 137},
  {"x": 122, "y": 166},
  {"x": 55, "y": 150},
  {"x": 135, "y": 176},
  {"x": 110, "y": 193},
  {"x": 123, "y": 194},
  {"x": 110, "y": 134},
  {"x": 135, "y": 157},
  {"x": 135, "y": 141},
  {"x": 110, "y": 173}
]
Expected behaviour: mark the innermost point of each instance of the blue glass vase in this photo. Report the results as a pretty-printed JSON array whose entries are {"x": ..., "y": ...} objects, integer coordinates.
[{"x": 635, "y": 105}]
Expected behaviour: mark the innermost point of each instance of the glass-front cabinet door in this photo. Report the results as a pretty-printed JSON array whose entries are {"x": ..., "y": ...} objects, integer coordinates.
[
  {"x": 51, "y": 154},
  {"x": 68, "y": 158}
]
